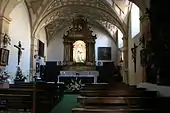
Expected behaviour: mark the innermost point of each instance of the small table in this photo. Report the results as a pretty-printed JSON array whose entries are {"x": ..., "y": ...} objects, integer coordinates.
[{"x": 79, "y": 76}]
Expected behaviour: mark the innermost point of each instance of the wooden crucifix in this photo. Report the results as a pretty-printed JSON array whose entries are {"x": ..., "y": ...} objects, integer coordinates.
[
  {"x": 134, "y": 56},
  {"x": 19, "y": 47}
]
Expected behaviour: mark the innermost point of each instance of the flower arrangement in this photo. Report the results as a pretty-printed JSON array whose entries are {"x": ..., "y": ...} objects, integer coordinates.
[
  {"x": 19, "y": 75},
  {"x": 75, "y": 85},
  {"x": 3, "y": 76}
]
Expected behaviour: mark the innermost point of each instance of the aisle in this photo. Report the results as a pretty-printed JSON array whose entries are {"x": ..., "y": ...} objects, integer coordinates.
[{"x": 68, "y": 102}]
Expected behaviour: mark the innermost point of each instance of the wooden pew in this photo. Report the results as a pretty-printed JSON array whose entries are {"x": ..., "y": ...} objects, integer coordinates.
[
  {"x": 16, "y": 98},
  {"x": 55, "y": 88},
  {"x": 39, "y": 98},
  {"x": 119, "y": 98}
]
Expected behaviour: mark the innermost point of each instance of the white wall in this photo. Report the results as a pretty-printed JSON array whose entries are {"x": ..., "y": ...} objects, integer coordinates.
[
  {"x": 104, "y": 40},
  {"x": 120, "y": 40},
  {"x": 55, "y": 50},
  {"x": 19, "y": 30}
]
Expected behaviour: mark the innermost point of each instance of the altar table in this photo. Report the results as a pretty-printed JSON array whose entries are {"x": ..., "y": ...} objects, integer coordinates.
[{"x": 79, "y": 76}]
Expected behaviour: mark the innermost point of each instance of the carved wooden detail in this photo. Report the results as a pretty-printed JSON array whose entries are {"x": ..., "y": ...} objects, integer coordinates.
[{"x": 79, "y": 30}]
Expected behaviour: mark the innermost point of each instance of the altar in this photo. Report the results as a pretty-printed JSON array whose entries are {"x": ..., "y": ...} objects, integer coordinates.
[
  {"x": 79, "y": 66},
  {"x": 76, "y": 74}
]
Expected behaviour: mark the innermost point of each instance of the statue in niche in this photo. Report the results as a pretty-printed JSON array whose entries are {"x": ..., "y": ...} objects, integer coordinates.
[{"x": 79, "y": 52}]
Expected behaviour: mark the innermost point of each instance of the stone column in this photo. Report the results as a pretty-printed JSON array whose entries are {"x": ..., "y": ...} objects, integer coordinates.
[
  {"x": 118, "y": 51},
  {"x": 87, "y": 51},
  {"x": 145, "y": 31},
  {"x": 93, "y": 51},
  {"x": 4, "y": 27},
  {"x": 34, "y": 50},
  {"x": 66, "y": 52},
  {"x": 71, "y": 51},
  {"x": 125, "y": 62},
  {"x": 145, "y": 27},
  {"x": 90, "y": 52}
]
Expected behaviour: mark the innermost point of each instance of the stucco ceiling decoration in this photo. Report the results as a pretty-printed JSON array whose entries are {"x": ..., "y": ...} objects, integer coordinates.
[
  {"x": 59, "y": 24},
  {"x": 35, "y": 5},
  {"x": 110, "y": 27},
  {"x": 96, "y": 9}
]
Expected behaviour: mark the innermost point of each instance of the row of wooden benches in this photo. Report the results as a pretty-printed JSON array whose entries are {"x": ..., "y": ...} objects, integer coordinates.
[
  {"x": 35, "y": 98},
  {"x": 120, "y": 98}
]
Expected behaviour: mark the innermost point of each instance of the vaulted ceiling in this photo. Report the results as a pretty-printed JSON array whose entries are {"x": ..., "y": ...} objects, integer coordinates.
[{"x": 57, "y": 14}]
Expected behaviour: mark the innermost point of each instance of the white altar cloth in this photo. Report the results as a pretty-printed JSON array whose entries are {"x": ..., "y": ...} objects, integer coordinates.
[
  {"x": 79, "y": 72},
  {"x": 79, "y": 76}
]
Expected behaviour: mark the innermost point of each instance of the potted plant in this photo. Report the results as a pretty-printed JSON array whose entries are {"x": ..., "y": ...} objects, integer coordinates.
[
  {"x": 20, "y": 78},
  {"x": 3, "y": 79}
]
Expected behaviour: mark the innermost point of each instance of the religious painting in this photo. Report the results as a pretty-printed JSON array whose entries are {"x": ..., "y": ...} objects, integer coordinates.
[
  {"x": 79, "y": 51},
  {"x": 4, "y": 55},
  {"x": 40, "y": 48},
  {"x": 104, "y": 53}
]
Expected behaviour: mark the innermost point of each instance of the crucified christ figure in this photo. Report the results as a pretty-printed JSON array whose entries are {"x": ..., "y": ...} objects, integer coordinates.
[{"x": 19, "y": 47}]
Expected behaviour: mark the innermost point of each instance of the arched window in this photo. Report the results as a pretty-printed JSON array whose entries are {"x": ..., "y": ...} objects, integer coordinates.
[
  {"x": 135, "y": 22},
  {"x": 120, "y": 41}
]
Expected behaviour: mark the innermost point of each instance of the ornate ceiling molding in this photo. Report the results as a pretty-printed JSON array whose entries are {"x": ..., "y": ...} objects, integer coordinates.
[
  {"x": 62, "y": 8},
  {"x": 6, "y": 6},
  {"x": 54, "y": 27}
]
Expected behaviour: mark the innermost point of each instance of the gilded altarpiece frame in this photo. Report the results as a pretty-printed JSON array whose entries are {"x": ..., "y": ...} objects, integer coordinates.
[{"x": 79, "y": 31}]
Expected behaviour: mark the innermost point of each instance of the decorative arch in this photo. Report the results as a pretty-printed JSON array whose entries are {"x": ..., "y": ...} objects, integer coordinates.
[
  {"x": 19, "y": 16},
  {"x": 102, "y": 9},
  {"x": 57, "y": 25}
]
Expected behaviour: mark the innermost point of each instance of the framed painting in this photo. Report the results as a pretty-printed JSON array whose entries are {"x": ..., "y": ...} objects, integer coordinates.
[
  {"x": 4, "y": 56},
  {"x": 40, "y": 48},
  {"x": 104, "y": 53}
]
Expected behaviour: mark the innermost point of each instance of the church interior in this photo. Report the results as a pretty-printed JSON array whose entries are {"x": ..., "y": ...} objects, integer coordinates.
[{"x": 84, "y": 56}]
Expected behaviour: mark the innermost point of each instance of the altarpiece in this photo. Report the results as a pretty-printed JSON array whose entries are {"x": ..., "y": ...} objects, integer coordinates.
[
  {"x": 79, "y": 44},
  {"x": 79, "y": 55}
]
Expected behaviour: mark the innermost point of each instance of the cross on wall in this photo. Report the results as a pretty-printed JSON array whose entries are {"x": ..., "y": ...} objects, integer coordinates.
[{"x": 19, "y": 47}]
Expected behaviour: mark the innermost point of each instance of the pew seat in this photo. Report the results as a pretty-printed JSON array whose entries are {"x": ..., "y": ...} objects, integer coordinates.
[
  {"x": 119, "y": 98},
  {"x": 40, "y": 98}
]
